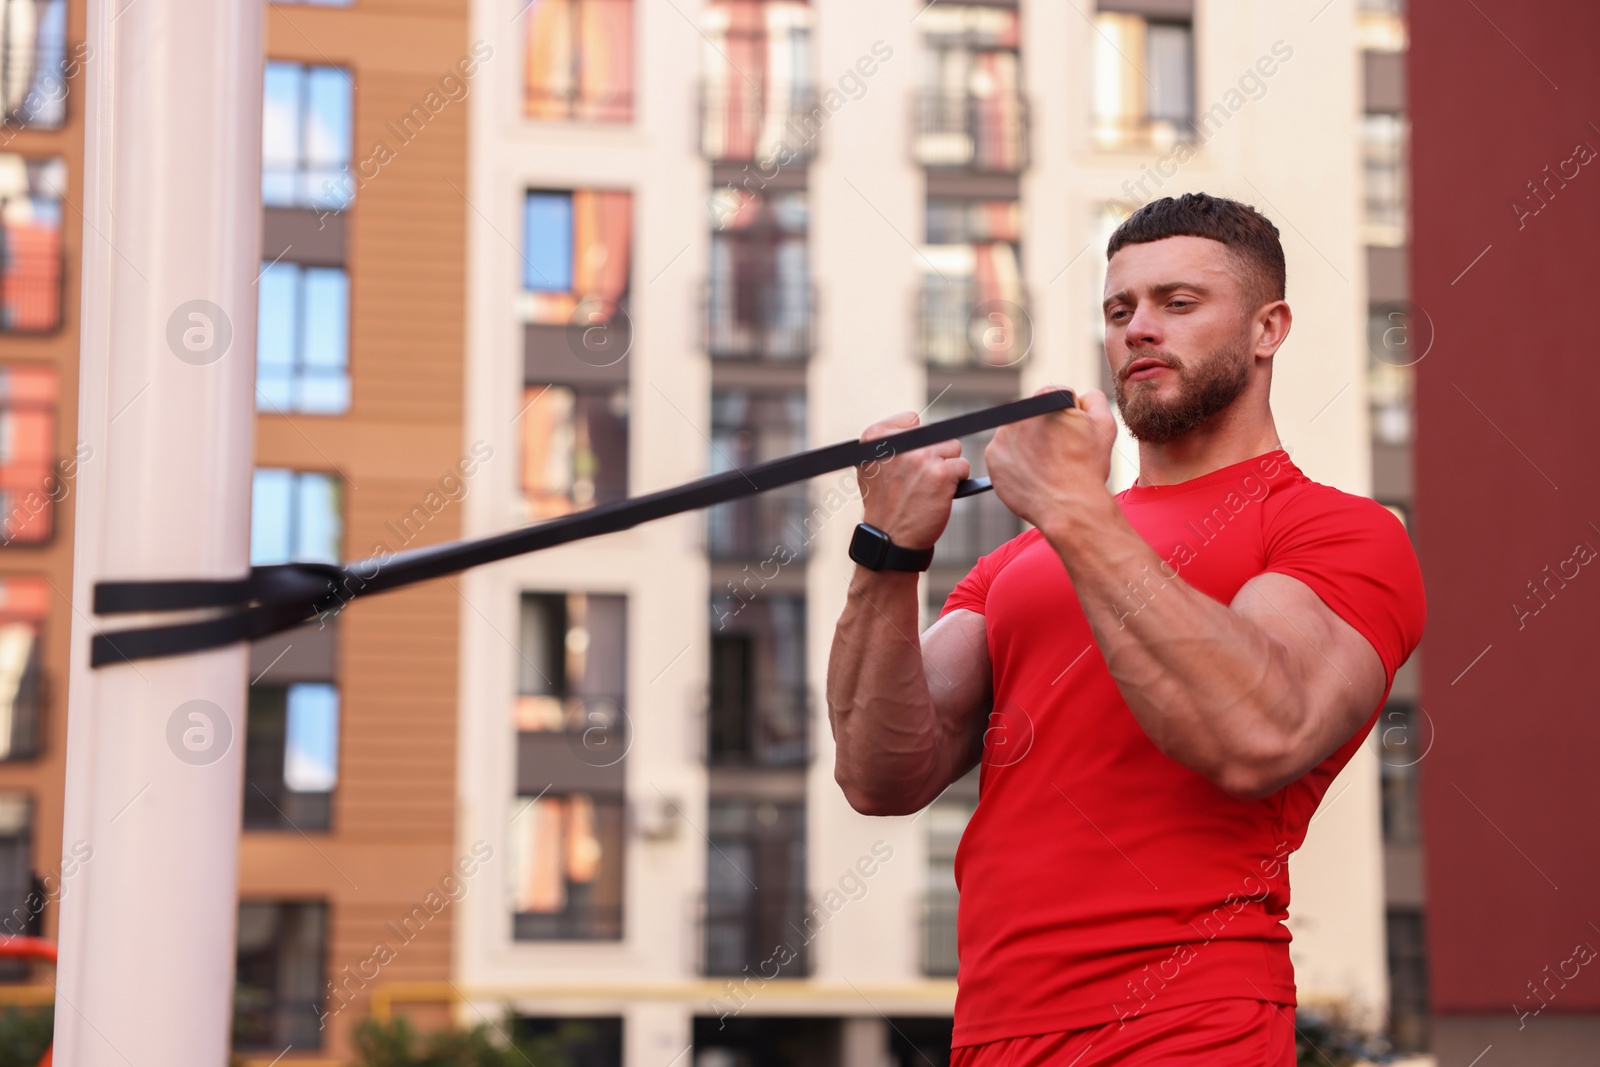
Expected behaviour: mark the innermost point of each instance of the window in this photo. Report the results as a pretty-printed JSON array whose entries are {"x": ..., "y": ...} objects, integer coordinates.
[
  {"x": 33, "y": 64},
  {"x": 758, "y": 102},
  {"x": 751, "y": 427},
  {"x": 306, "y": 136},
  {"x": 947, "y": 821},
  {"x": 1408, "y": 979},
  {"x": 566, "y": 830},
  {"x": 758, "y": 296},
  {"x": 24, "y": 603},
  {"x": 973, "y": 310},
  {"x": 579, "y": 62},
  {"x": 971, "y": 113},
  {"x": 756, "y": 890},
  {"x": 295, "y": 516},
  {"x": 574, "y": 447},
  {"x": 302, "y": 348},
  {"x": 1391, "y": 374},
  {"x": 20, "y": 903},
  {"x": 281, "y": 954},
  {"x": 1383, "y": 153},
  {"x": 30, "y": 243},
  {"x": 29, "y": 483},
  {"x": 566, "y": 863},
  {"x": 572, "y": 652},
  {"x": 575, "y": 248},
  {"x": 574, "y": 1041},
  {"x": 979, "y": 523},
  {"x": 1403, "y": 741},
  {"x": 291, "y": 756},
  {"x": 759, "y": 706},
  {"x": 1143, "y": 81}
]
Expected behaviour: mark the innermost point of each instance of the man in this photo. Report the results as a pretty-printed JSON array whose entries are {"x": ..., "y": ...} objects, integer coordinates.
[{"x": 1159, "y": 686}]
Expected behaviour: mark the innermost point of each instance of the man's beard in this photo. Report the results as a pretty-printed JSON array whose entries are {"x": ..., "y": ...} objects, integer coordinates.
[{"x": 1202, "y": 393}]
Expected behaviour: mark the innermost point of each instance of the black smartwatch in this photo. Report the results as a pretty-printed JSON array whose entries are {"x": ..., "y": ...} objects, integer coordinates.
[{"x": 872, "y": 548}]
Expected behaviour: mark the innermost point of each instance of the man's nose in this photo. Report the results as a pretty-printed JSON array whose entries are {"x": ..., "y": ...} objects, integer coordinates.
[{"x": 1144, "y": 327}]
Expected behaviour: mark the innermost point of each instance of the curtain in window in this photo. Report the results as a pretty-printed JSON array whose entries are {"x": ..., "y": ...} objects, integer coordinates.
[
  {"x": 757, "y": 80},
  {"x": 23, "y": 606},
  {"x": 602, "y": 223},
  {"x": 536, "y": 847},
  {"x": 27, "y": 453},
  {"x": 578, "y": 63},
  {"x": 30, "y": 243},
  {"x": 1119, "y": 84}
]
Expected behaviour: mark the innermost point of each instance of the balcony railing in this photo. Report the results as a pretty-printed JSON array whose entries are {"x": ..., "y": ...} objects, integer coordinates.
[
  {"x": 770, "y": 123},
  {"x": 962, "y": 131},
  {"x": 769, "y": 933},
  {"x": 955, "y": 328},
  {"x": 978, "y": 524},
  {"x": 770, "y": 525},
  {"x": 759, "y": 319},
  {"x": 773, "y": 730},
  {"x": 1112, "y": 132},
  {"x": 31, "y": 278},
  {"x": 939, "y": 933}
]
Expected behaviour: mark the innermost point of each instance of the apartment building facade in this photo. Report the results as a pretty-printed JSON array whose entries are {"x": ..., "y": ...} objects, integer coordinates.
[
  {"x": 41, "y": 178},
  {"x": 348, "y": 864},
  {"x": 704, "y": 236}
]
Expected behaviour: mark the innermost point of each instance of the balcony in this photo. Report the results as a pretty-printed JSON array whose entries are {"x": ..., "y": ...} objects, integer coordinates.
[
  {"x": 978, "y": 524},
  {"x": 34, "y": 70},
  {"x": 967, "y": 132},
  {"x": 770, "y": 934},
  {"x": 767, "y": 526},
  {"x": 31, "y": 277},
  {"x": 772, "y": 728},
  {"x": 761, "y": 319},
  {"x": 767, "y": 123},
  {"x": 939, "y": 933},
  {"x": 958, "y": 326}
]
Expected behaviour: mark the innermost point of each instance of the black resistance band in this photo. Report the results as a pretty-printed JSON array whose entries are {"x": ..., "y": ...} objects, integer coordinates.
[{"x": 281, "y": 596}]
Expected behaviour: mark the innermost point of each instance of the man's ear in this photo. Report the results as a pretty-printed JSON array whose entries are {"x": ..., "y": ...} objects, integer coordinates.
[{"x": 1274, "y": 321}]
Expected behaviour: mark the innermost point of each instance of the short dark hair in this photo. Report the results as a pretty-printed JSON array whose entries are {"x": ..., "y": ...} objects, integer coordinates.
[{"x": 1249, "y": 235}]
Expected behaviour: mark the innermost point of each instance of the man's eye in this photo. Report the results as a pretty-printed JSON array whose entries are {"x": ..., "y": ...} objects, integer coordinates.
[
  {"x": 1117, "y": 315},
  {"x": 1180, "y": 303}
]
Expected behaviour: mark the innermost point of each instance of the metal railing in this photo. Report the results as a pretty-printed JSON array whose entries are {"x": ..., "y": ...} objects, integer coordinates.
[
  {"x": 770, "y": 525},
  {"x": 957, "y": 329},
  {"x": 962, "y": 131},
  {"x": 759, "y": 121},
  {"x": 768, "y": 933},
  {"x": 32, "y": 279},
  {"x": 978, "y": 524},
  {"x": 939, "y": 956},
  {"x": 773, "y": 730},
  {"x": 759, "y": 319}
]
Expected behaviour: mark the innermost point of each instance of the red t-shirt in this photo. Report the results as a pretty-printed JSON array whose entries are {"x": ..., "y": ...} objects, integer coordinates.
[{"x": 1100, "y": 879}]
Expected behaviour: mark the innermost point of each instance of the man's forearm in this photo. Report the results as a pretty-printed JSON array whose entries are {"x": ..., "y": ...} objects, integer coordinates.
[
  {"x": 883, "y": 718},
  {"x": 1210, "y": 688}
]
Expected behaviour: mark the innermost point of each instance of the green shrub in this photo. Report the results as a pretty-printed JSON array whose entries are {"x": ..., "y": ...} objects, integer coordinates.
[
  {"x": 397, "y": 1044},
  {"x": 24, "y": 1035}
]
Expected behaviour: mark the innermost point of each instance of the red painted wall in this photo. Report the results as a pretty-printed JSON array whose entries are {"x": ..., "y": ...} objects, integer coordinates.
[{"x": 1507, "y": 485}]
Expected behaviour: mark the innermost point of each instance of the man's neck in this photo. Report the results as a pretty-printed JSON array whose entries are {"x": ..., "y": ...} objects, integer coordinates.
[{"x": 1220, "y": 443}]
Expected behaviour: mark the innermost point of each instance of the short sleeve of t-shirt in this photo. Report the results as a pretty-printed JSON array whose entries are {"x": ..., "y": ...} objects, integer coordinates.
[
  {"x": 972, "y": 591},
  {"x": 1356, "y": 556}
]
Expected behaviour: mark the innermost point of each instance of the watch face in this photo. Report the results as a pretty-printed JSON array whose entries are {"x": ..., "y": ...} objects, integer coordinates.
[{"x": 868, "y": 546}]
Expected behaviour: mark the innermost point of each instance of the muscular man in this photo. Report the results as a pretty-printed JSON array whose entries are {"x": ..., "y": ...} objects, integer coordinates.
[{"x": 1158, "y": 686}]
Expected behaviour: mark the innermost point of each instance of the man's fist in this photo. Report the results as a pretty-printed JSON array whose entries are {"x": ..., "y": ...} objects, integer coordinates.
[
  {"x": 1048, "y": 466},
  {"x": 907, "y": 495}
]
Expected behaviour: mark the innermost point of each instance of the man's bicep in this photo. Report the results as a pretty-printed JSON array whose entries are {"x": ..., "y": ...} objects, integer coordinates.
[
  {"x": 1340, "y": 674},
  {"x": 955, "y": 660}
]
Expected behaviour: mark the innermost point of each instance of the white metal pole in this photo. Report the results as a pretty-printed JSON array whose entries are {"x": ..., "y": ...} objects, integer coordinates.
[{"x": 171, "y": 249}]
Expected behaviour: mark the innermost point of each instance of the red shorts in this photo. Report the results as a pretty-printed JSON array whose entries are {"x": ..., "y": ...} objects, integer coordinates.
[{"x": 1235, "y": 1032}]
